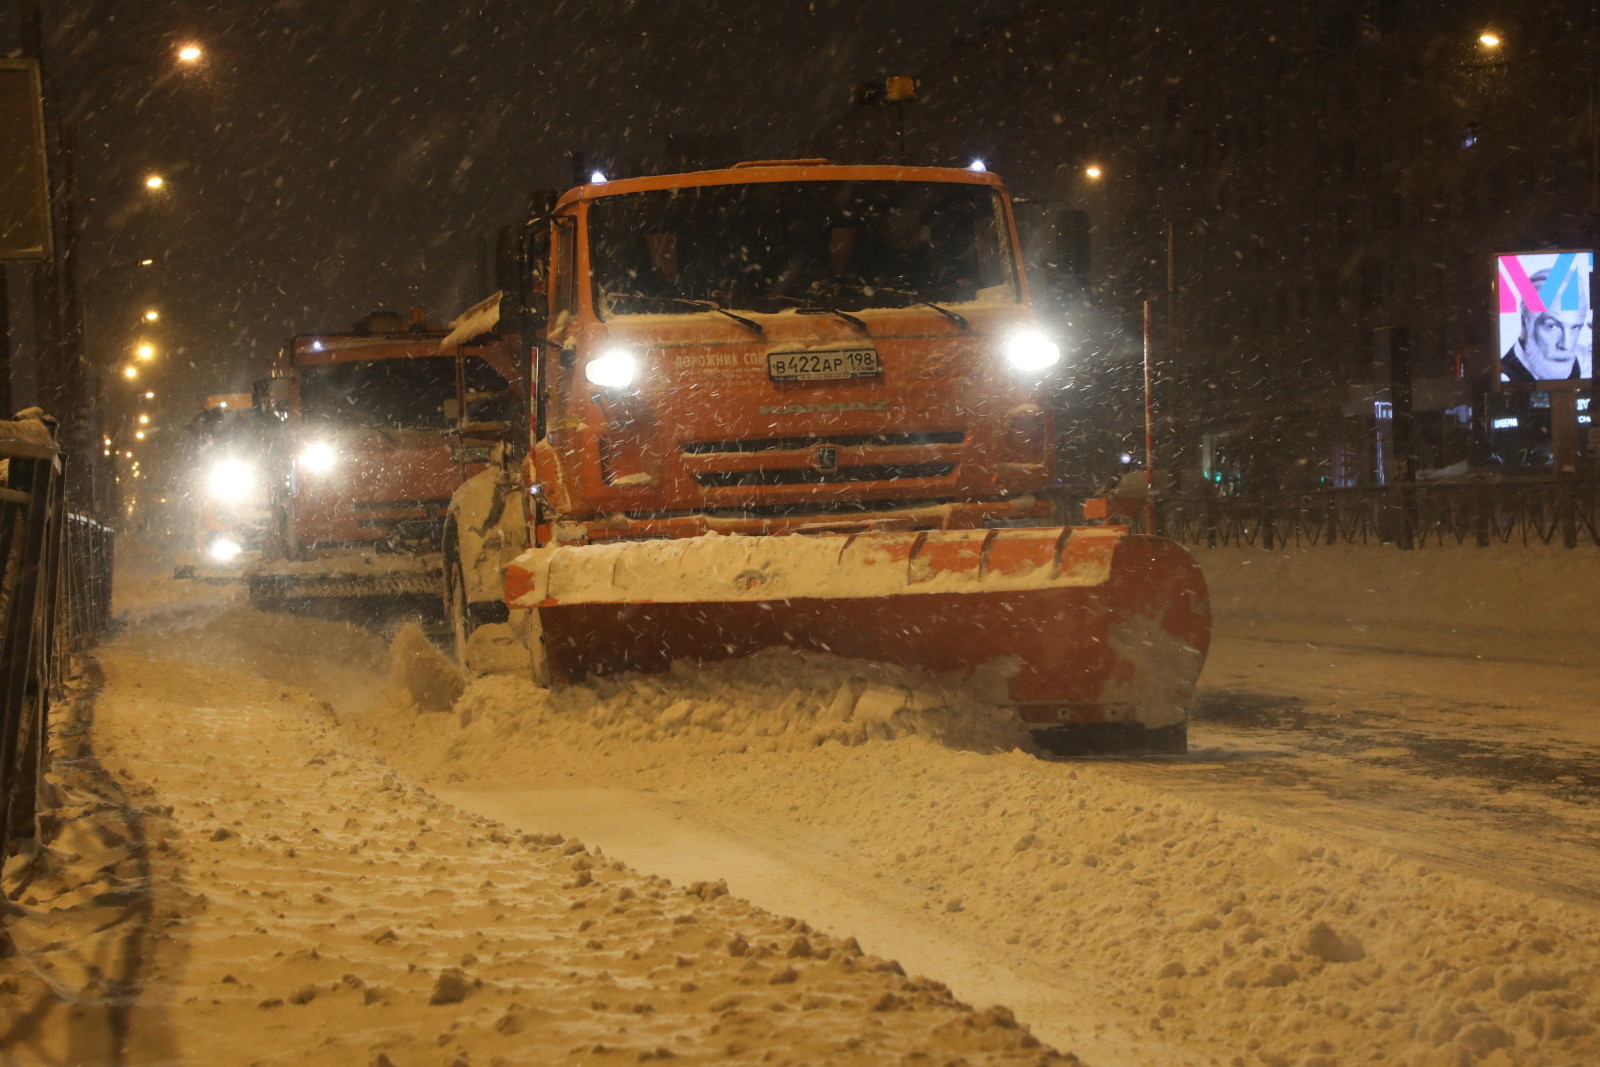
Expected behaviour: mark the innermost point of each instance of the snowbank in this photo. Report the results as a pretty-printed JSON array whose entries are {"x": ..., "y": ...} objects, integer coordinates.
[{"x": 1261, "y": 943}]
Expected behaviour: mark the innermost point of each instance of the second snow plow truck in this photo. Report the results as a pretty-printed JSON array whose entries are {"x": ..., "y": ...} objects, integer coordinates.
[
  {"x": 364, "y": 463},
  {"x": 797, "y": 403}
]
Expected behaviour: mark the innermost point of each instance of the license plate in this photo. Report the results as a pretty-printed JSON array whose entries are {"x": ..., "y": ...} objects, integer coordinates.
[{"x": 821, "y": 366}]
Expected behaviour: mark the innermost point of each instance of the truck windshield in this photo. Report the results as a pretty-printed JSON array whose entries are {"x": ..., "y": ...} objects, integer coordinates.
[
  {"x": 389, "y": 393},
  {"x": 769, "y": 246}
]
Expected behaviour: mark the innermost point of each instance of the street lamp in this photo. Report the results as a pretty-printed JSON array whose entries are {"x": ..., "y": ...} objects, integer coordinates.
[
  {"x": 1092, "y": 172},
  {"x": 1489, "y": 39},
  {"x": 146, "y": 351},
  {"x": 130, "y": 372},
  {"x": 155, "y": 181},
  {"x": 190, "y": 53},
  {"x": 152, "y": 315}
]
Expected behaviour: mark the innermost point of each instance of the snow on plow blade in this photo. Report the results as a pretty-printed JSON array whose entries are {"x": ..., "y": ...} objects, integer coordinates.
[
  {"x": 346, "y": 577},
  {"x": 1106, "y": 631}
]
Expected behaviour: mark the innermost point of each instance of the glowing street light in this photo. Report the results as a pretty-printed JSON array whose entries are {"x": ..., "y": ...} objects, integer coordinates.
[
  {"x": 152, "y": 315},
  {"x": 138, "y": 435},
  {"x": 1489, "y": 40},
  {"x": 130, "y": 372},
  {"x": 1092, "y": 172},
  {"x": 147, "y": 263},
  {"x": 190, "y": 53},
  {"x": 155, "y": 181},
  {"x": 144, "y": 420},
  {"x": 146, "y": 350},
  {"x": 149, "y": 394}
]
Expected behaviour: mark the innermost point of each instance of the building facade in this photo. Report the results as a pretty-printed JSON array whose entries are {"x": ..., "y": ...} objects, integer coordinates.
[{"x": 1285, "y": 182}]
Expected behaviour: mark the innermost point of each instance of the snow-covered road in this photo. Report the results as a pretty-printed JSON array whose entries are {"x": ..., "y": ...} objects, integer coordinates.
[{"x": 1382, "y": 848}]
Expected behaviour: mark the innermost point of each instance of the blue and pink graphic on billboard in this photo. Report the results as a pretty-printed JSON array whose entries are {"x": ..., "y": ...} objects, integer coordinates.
[{"x": 1546, "y": 323}]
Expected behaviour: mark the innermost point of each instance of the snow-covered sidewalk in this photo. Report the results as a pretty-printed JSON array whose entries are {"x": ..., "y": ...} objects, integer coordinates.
[{"x": 241, "y": 883}]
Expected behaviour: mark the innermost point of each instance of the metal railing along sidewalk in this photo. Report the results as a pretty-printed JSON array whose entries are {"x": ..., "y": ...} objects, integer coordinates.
[
  {"x": 55, "y": 598},
  {"x": 1411, "y": 515}
]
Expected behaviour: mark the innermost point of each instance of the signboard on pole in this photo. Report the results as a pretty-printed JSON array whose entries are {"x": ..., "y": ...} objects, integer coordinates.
[
  {"x": 1546, "y": 332},
  {"x": 24, "y": 174}
]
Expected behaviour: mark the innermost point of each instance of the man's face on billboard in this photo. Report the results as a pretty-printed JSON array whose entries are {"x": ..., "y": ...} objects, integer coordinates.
[{"x": 1551, "y": 344}]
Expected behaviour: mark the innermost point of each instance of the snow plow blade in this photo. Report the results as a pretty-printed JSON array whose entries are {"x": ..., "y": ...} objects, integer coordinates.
[
  {"x": 355, "y": 577},
  {"x": 1106, "y": 631}
]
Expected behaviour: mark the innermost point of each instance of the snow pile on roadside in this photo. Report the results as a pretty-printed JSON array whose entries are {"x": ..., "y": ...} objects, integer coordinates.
[
  {"x": 1452, "y": 589},
  {"x": 420, "y": 672},
  {"x": 1212, "y": 928},
  {"x": 777, "y": 701}
]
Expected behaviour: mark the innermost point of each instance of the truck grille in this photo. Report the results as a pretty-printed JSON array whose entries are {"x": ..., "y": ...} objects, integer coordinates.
[
  {"x": 880, "y": 472},
  {"x": 789, "y": 444},
  {"x": 829, "y": 459}
]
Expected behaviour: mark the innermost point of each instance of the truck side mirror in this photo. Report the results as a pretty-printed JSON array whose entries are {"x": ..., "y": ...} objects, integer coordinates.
[
  {"x": 509, "y": 260},
  {"x": 278, "y": 393}
]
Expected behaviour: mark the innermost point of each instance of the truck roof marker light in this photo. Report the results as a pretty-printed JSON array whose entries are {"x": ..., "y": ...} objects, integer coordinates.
[
  {"x": 977, "y": 166},
  {"x": 1030, "y": 350},
  {"x": 598, "y": 178},
  {"x": 613, "y": 369}
]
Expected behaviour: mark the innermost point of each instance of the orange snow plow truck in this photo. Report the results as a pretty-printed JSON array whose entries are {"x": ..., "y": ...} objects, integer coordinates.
[
  {"x": 363, "y": 463},
  {"x": 797, "y": 403}
]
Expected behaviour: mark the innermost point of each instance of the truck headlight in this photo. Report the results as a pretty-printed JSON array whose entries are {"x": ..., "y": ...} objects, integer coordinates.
[
  {"x": 1030, "y": 350},
  {"x": 612, "y": 369},
  {"x": 223, "y": 550},
  {"x": 230, "y": 481},
  {"x": 318, "y": 457}
]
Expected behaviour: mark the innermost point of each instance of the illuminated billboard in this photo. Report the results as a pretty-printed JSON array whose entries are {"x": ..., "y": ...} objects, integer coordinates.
[{"x": 1546, "y": 324}]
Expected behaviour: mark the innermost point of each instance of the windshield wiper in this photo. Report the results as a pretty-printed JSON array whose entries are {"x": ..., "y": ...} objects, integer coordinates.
[
  {"x": 917, "y": 298},
  {"x": 709, "y": 305},
  {"x": 959, "y": 320},
  {"x": 826, "y": 309}
]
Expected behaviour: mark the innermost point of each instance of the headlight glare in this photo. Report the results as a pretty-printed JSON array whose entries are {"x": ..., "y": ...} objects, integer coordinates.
[
  {"x": 223, "y": 549},
  {"x": 1030, "y": 350},
  {"x": 230, "y": 480},
  {"x": 318, "y": 457},
  {"x": 614, "y": 368}
]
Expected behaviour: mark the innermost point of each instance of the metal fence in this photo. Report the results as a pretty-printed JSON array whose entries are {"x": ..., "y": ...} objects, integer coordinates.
[
  {"x": 55, "y": 599},
  {"x": 1415, "y": 515}
]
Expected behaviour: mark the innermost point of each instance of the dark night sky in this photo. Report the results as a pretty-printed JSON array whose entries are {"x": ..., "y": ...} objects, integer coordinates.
[{"x": 330, "y": 158}]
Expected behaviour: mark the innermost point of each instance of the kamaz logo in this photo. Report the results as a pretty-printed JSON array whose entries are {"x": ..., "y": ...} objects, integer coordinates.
[{"x": 839, "y": 407}]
